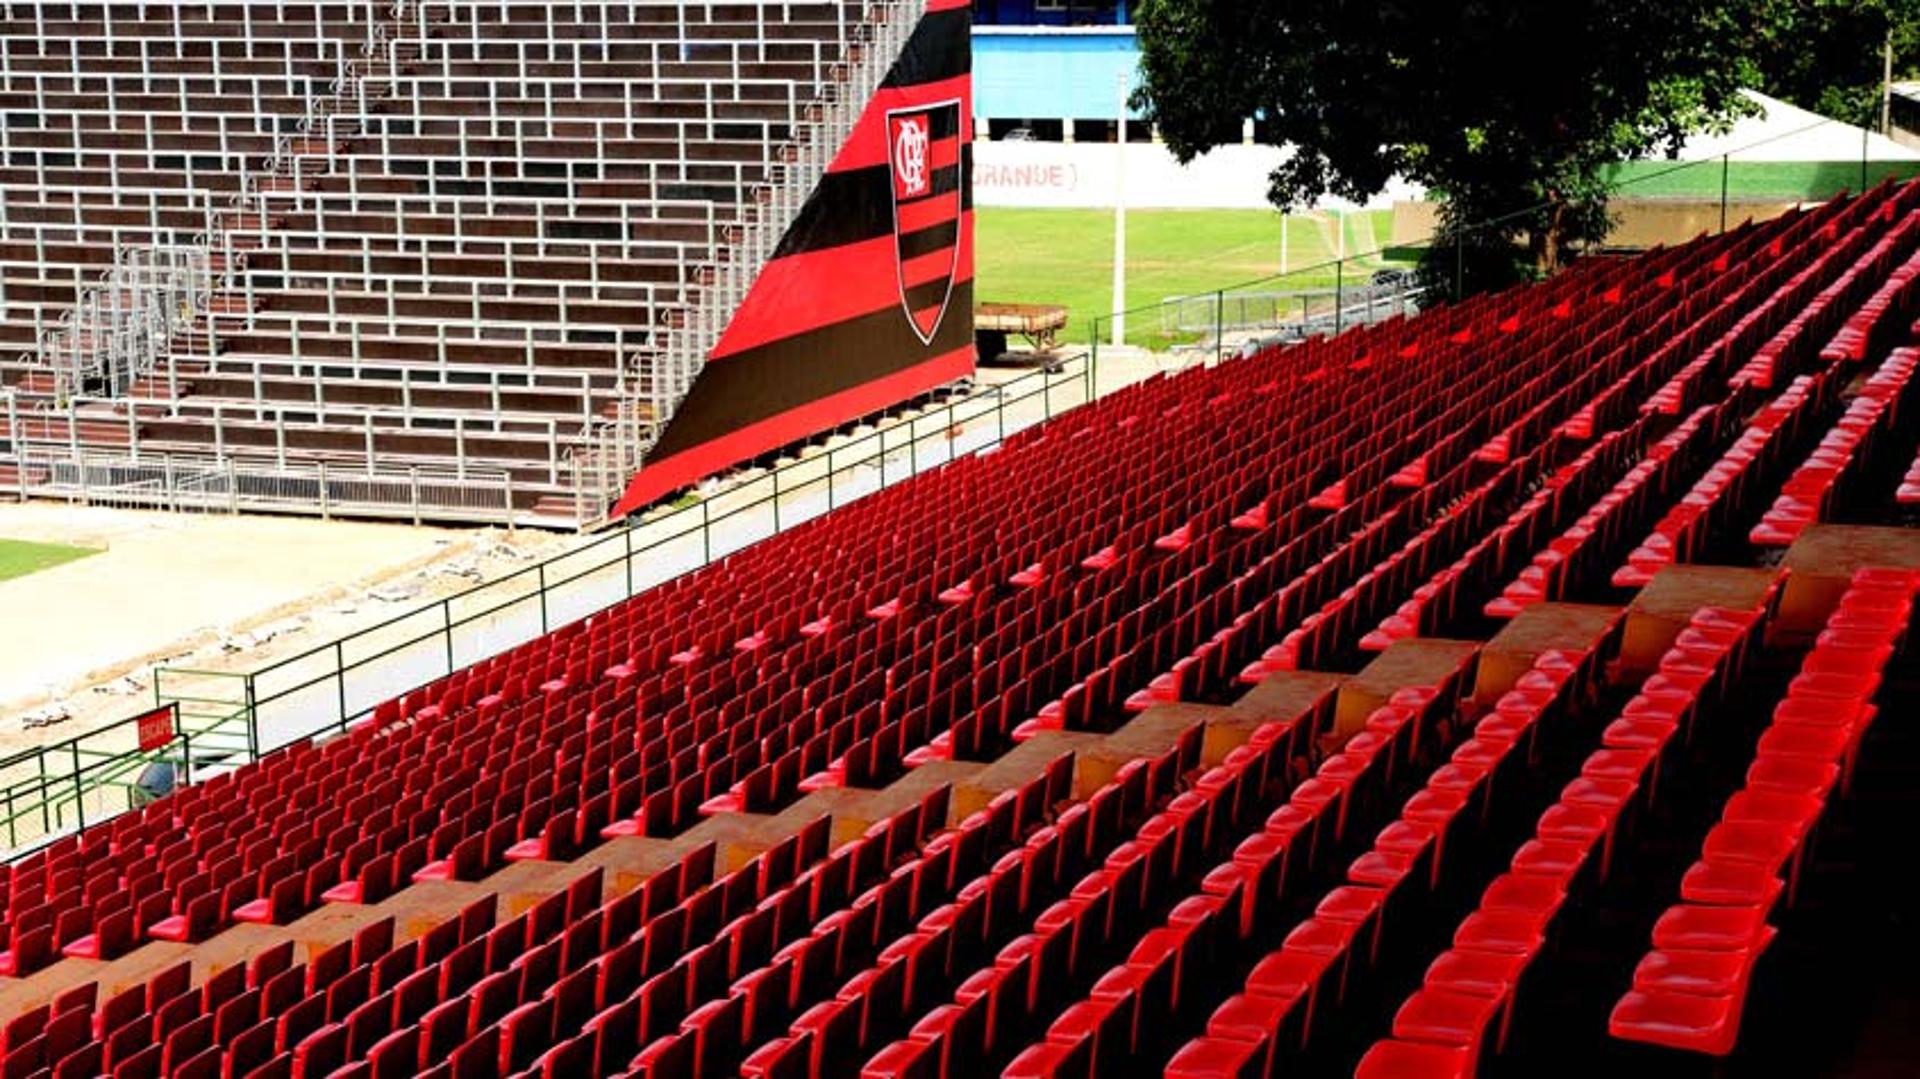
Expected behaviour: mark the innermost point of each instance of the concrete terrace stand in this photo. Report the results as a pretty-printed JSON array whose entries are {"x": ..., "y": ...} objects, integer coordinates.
[
  {"x": 1415, "y": 661},
  {"x": 1657, "y": 614},
  {"x": 1540, "y": 628},
  {"x": 1825, "y": 558}
]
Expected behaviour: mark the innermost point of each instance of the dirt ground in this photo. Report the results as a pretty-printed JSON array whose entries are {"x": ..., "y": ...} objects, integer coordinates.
[{"x": 211, "y": 592}]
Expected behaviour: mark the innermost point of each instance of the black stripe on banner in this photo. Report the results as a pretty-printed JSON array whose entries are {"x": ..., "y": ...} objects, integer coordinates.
[
  {"x": 929, "y": 293},
  {"x": 942, "y": 123},
  {"x": 941, "y": 47},
  {"x": 769, "y": 379},
  {"x": 930, "y": 239},
  {"x": 848, "y": 207}
]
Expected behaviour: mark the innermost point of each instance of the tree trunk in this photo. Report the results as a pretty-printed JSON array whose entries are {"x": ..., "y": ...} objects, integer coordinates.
[{"x": 1548, "y": 242}]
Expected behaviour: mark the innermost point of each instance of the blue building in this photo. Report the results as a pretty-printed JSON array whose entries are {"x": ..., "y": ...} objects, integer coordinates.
[{"x": 1049, "y": 69}]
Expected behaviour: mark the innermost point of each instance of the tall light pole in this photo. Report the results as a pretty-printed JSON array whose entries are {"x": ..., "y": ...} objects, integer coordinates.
[
  {"x": 1120, "y": 212},
  {"x": 1886, "y": 84}
]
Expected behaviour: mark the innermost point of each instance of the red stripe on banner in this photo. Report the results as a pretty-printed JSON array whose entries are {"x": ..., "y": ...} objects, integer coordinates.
[
  {"x": 867, "y": 145},
  {"x": 928, "y": 318},
  {"x": 923, "y": 213},
  {"x": 947, "y": 5},
  {"x": 933, "y": 264},
  {"x": 657, "y": 478},
  {"x": 819, "y": 288},
  {"x": 943, "y": 152}
]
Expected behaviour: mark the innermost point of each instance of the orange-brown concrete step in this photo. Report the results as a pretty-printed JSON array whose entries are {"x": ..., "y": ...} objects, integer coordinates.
[{"x": 1664, "y": 606}]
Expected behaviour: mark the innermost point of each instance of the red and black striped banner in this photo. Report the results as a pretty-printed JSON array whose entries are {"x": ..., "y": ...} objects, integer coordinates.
[{"x": 868, "y": 300}]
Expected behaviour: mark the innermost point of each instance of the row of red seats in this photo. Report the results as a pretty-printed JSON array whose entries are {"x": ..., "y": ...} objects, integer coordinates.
[
  {"x": 1819, "y": 300},
  {"x": 1748, "y": 318},
  {"x": 1163, "y": 975},
  {"x": 1299, "y": 988},
  {"x": 939, "y": 956},
  {"x": 1567, "y": 561},
  {"x": 1689, "y": 991},
  {"x": 173, "y": 871},
  {"x": 1872, "y": 326},
  {"x": 240, "y": 1017},
  {"x": 1848, "y": 447},
  {"x": 1571, "y": 559},
  {"x": 1729, "y": 484},
  {"x": 1220, "y": 644},
  {"x": 1320, "y": 639},
  {"x": 1392, "y": 558},
  {"x": 1460, "y": 1012},
  {"x": 1908, "y": 493}
]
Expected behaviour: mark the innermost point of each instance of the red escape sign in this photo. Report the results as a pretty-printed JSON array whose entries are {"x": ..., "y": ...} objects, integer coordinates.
[{"x": 156, "y": 728}]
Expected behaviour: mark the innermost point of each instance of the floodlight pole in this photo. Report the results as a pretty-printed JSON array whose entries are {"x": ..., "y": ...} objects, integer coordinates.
[
  {"x": 1120, "y": 211},
  {"x": 1886, "y": 84}
]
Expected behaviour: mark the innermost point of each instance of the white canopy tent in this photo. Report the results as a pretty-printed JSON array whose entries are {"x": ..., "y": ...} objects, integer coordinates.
[{"x": 1783, "y": 132}]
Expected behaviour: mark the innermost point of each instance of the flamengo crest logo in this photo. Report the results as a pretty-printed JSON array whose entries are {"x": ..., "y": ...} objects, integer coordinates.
[
  {"x": 923, "y": 160},
  {"x": 910, "y": 155}
]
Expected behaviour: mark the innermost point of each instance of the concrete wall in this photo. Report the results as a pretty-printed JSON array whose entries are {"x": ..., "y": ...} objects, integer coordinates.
[
  {"x": 1641, "y": 222},
  {"x": 1085, "y": 175}
]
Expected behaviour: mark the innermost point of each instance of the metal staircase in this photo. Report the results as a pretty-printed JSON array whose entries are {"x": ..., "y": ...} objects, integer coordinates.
[{"x": 302, "y": 158}]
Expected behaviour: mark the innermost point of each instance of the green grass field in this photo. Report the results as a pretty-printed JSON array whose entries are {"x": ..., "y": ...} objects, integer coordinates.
[
  {"x": 1066, "y": 256},
  {"x": 1749, "y": 179},
  {"x": 19, "y": 557}
]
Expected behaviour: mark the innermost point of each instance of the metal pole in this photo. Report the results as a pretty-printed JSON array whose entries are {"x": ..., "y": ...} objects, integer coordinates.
[
  {"x": 1339, "y": 291},
  {"x": 629, "y": 562},
  {"x": 1219, "y": 324},
  {"x": 79, "y": 791},
  {"x": 253, "y": 720},
  {"x": 542, "y": 568},
  {"x": 1459, "y": 266},
  {"x": 1725, "y": 166},
  {"x": 1120, "y": 210},
  {"x": 340, "y": 675},
  {"x": 1886, "y": 83},
  {"x": 1093, "y": 361}
]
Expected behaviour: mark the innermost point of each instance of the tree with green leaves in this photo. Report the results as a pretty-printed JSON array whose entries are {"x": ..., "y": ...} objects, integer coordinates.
[
  {"x": 1508, "y": 110},
  {"x": 1828, "y": 55}
]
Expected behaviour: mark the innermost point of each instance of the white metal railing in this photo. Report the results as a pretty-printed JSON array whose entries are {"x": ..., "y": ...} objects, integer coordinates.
[
  {"x": 273, "y": 430},
  {"x": 235, "y": 485},
  {"x": 663, "y": 374},
  {"x": 120, "y": 327}
]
